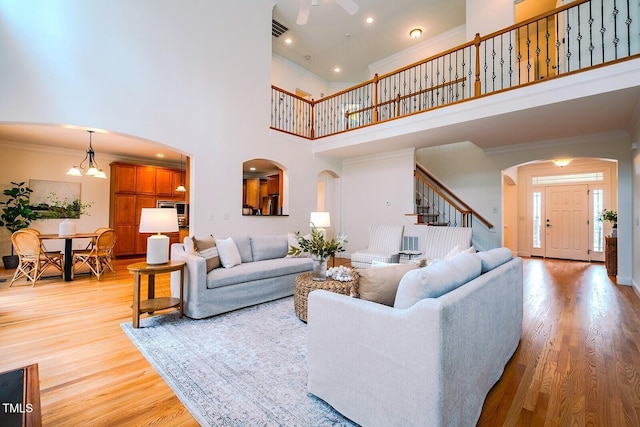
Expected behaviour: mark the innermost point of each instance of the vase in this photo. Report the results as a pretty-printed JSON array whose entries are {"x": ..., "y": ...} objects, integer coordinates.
[
  {"x": 319, "y": 268},
  {"x": 67, "y": 228}
]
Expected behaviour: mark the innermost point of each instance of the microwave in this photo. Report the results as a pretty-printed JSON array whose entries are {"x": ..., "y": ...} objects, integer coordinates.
[{"x": 180, "y": 207}]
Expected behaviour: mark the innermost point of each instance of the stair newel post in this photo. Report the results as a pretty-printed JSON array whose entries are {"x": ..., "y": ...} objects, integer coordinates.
[
  {"x": 477, "y": 85},
  {"x": 376, "y": 79}
]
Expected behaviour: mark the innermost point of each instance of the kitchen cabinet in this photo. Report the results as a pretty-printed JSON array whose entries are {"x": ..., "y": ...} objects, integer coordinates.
[
  {"x": 134, "y": 187},
  {"x": 252, "y": 194}
]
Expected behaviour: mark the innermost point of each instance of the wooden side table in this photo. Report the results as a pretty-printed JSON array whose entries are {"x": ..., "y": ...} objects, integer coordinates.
[
  {"x": 611, "y": 255},
  {"x": 152, "y": 303}
]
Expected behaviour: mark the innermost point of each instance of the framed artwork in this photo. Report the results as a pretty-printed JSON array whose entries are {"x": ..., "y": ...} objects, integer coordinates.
[{"x": 55, "y": 199}]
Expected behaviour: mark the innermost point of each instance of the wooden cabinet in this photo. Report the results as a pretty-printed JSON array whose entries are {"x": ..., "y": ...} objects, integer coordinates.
[
  {"x": 146, "y": 180},
  {"x": 123, "y": 178},
  {"x": 252, "y": 197},
  {"x": 273, "y": 184},
  {"x": 164, "y": 182},
  {"x": 134, "y": 187}
]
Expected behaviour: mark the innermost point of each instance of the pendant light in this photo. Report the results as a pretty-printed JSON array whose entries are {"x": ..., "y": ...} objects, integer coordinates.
[
  {"x": 180, "y": 187},
  {"x": 92, "y": 166}
]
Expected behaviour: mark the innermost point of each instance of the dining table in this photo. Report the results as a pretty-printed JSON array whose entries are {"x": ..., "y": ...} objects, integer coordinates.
[{"x": 68, "y": 248}]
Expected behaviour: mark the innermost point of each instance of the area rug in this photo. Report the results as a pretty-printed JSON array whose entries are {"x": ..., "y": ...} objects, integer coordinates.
[{"x": 246, "y": 367}]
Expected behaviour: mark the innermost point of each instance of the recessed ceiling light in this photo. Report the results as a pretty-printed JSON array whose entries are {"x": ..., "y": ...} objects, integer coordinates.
[
  {"x": 252, "y": 168},
  {"x": 369, "y": 20},
  {"x": 415, "y": 33},
  {"x": 159, "y": 155},
  {"x": 288, "y": 40},
  {"x": 337, "y": 69}
]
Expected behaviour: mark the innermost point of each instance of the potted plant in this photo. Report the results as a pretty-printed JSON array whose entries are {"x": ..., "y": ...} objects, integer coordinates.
[
  {"x": 319, "y": 248},
  {"x": 612, "y": 217},
  {"x": 16, "y": 215}
]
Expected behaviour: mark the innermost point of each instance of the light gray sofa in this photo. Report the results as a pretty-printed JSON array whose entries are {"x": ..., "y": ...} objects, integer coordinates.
[
  {"x": 431, "y": 362},
  {"x": 265, "y": 274}
]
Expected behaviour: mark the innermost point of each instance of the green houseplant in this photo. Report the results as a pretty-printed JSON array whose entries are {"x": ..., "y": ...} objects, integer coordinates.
[
  {"x": 612, "y": 217},
  {"x": 319, "y": 248},
  {"x": 16, "y": 215}
]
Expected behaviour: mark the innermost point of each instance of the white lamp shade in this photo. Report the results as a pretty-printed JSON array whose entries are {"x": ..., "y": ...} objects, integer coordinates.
[
  {"x": 159, "y": 220},
  {"x": 320, "y": 219}
]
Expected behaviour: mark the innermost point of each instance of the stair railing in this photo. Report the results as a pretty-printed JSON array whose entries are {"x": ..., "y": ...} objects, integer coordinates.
[
  {"x": 578, "y": 36},
  {"x": 438, "y": 205}
]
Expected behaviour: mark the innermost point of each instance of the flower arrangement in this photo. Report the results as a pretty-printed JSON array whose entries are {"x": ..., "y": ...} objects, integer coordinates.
[
  {"x": 609, "y": 216},
  {"x": 317, "y": 246}
]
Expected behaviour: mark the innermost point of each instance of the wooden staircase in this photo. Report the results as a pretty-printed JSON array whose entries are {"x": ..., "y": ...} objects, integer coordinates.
[{"x": 436, "y": 205}]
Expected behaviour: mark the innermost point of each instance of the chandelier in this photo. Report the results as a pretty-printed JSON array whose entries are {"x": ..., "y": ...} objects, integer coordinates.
[{"x": 92, "y": 168}]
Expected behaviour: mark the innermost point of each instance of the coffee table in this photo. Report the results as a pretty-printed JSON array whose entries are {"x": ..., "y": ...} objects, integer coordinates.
[{"x": 303, "y": 284}]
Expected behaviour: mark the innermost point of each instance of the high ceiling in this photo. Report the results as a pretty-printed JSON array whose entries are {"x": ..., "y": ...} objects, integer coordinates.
[
  {"x": 323, "y": 39},
  {"x": 333, "y": 38}
]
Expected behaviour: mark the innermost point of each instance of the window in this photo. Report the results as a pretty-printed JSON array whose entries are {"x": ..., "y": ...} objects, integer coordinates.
[
  {"x": 569, "y": 178},
  {"x": 598, "y": 226},
  {"x": 537, "y": 219}
]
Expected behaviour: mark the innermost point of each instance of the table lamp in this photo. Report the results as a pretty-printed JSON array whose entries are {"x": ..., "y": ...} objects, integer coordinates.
[
  {"x": 158, "y": 220},
  {"x": 320, "y": 220}
]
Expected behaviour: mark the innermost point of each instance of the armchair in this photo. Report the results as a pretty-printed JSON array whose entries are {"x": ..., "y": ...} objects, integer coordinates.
[{"x": 384, "y": 245}]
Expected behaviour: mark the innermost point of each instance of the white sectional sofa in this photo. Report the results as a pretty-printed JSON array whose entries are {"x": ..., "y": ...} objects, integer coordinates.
[
  {"x": 264, "y": 274},
  {"x": 430, "y": 359}
]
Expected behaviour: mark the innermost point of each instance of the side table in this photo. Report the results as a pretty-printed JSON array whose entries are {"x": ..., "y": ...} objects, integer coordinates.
[
  {"x": 611, "y": 255},
  {"x": 152, "y": 303},
  {"x": 304, "y": 283}
]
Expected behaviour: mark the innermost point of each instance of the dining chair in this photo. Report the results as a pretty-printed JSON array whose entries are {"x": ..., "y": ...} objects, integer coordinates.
[
  {"x": 98, "y": 230},
  {"x": 99, "y": 257},
  {"x": 33, "y": 260},
  {"x": 53, "y": 258}
]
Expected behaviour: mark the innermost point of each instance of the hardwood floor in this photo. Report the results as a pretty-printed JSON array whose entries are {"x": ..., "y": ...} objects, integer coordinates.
[{"x": 578, "y": 362}]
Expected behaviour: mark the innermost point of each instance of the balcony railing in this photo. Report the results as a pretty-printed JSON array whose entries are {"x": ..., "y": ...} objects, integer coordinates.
[{"x": 573, "y": 38}]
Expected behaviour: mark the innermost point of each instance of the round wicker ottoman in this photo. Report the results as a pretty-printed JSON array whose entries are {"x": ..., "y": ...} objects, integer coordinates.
[{"x": 303, "y": 284}]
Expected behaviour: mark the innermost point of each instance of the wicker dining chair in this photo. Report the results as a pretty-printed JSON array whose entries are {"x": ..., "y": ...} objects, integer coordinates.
[
  {"x": 99, "y": 257},
  {"x": 33, "y": 260},
  {"x": 99, "y": 230},
  {"x": 53, "y": 258}
]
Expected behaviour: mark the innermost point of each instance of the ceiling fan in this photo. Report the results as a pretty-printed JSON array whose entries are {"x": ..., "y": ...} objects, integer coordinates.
[{"x": 305, "y": 8}]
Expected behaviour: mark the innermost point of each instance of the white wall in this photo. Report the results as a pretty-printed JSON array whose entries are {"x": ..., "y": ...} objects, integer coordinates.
[
  {"x": 486, "y": 16},
  {"x": 377, "y": 189},
  {"x": 168, "y": 72}
]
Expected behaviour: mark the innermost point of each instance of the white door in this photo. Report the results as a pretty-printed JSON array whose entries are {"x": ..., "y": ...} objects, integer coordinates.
[{"x": 567, "y": 222}]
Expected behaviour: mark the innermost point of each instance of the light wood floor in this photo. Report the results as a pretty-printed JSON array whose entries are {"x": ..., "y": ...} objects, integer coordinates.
[{"x": 578, "y": 362}]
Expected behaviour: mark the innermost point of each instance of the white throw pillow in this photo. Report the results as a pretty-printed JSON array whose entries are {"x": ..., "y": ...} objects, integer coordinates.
[
  {"x": 293, "y": 241},
  {"x": 228, "y": 252}
]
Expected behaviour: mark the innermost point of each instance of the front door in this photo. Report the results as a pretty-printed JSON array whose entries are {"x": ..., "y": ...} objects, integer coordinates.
[{"x": 567, "y": 222}]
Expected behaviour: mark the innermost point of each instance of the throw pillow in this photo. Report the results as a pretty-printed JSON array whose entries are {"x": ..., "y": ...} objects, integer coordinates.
[
  {"x": 228, "y": 252},
  {"x": 437, "y": 279},
  {"x": 380, "y": 284},
  {"x": 206, "y": 248},
  {"x": 494, "y": 258}
]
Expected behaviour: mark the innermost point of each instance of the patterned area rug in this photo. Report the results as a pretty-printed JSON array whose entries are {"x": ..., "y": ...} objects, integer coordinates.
[{"x": 246, "y": 367}]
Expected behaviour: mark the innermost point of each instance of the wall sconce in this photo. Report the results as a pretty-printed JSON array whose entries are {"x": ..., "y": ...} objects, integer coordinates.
[
  {"x": 562, "y": 162},
  {"x": 92, "y": 166},
  {"x": 158, "y": 220},
  {"x": 415, "y": 33}
]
